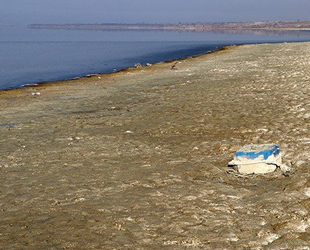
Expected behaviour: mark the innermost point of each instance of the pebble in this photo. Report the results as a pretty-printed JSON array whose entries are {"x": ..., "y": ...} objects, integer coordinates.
[
  {"x": 36, "y": 93},
  {"x": 129, "y": 132}
]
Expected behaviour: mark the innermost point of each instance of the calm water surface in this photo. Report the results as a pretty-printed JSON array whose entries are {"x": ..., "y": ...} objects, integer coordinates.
[{"x": 35, "y": 55}]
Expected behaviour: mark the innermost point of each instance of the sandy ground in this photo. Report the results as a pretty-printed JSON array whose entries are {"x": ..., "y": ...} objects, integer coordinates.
[{"x": 137, "y": 159}]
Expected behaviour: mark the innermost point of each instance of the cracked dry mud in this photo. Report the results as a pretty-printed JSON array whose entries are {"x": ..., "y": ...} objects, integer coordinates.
[{"x": 137, "y": 159}]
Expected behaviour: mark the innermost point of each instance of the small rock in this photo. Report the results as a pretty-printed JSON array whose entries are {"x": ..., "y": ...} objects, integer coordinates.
[
  {"x": 36, "y": 93},
  {"x": 285, "y": 168},
  {"x": 299, "y": 163},
  {"x": 115, "y": 108},
  {"x": 129, "y": 132},
  {"x": 138, "y": 65},
  {"x": 74, "y": 138}
]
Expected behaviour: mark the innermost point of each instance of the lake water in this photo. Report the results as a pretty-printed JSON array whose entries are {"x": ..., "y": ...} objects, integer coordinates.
[{"x": 30, "y": 56}]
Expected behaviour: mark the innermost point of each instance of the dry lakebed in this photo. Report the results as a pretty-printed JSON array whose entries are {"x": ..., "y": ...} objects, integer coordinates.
[{"x": 138, "y": 159}]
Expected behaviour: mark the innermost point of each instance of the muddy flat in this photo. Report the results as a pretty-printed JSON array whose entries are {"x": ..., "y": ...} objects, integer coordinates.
[{"x": 138, "y": 159}]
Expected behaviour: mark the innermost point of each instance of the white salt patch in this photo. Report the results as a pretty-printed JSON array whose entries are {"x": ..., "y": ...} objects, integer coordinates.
[
  {"x": 270, "y": 238},
  {"x": 307, "y": 192}
]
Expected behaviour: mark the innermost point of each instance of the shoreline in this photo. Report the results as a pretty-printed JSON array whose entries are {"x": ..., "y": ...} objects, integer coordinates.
[
  {"x": 38, "y": 77},
  {"x": 220, "y": 48},
  {"x": 31, "y": 85}
]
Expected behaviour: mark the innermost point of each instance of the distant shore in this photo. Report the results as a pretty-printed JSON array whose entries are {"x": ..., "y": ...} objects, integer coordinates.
[{"x": 198, "y": 27}]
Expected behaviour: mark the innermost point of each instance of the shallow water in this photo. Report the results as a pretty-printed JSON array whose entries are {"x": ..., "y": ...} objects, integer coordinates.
[{"x": 33, "y": 55}]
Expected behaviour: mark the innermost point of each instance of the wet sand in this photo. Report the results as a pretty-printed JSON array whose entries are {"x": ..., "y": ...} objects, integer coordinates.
[{"x": 137, "y": 159}]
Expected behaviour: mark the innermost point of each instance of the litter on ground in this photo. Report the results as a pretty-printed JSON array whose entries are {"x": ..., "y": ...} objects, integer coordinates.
[{"x": 258, "y": 159}]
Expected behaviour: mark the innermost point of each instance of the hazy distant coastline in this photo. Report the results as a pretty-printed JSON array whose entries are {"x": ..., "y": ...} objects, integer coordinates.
[{"x": 199, "y": 27}]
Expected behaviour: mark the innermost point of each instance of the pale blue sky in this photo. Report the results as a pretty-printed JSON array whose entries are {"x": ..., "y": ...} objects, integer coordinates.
[{"x": 150, "y": 11}]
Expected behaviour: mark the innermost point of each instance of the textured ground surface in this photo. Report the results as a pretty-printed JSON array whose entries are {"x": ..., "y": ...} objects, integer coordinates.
[{"x": 137, "y": 160}]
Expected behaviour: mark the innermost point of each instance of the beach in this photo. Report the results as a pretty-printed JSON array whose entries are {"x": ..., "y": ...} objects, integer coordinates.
[{"x": 137, "y": 159}]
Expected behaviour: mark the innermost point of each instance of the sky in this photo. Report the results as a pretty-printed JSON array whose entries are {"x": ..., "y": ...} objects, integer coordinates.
[{"x": 21, "y": 12}]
